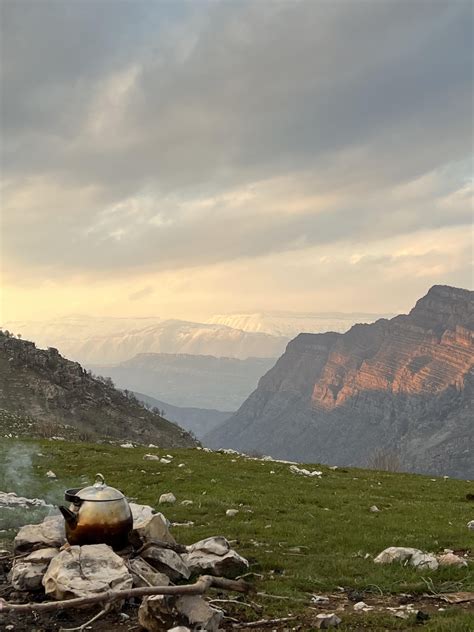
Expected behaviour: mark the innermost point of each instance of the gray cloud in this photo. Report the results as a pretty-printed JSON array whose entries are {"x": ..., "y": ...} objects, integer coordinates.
[{"x": 146, "y": 108}]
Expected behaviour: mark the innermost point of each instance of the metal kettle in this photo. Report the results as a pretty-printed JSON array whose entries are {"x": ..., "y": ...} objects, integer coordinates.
[{"x": 98, "y": 514}]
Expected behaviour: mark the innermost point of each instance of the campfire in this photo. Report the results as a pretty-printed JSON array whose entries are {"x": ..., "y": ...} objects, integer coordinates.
[{"x": 104, "y": 552}]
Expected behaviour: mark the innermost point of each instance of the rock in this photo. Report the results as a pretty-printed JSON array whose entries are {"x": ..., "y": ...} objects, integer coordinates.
[
  {"x": 360, "y": 605},
  {"x": 141, "y": 514},
  {"x": 51, "y": 474},
  {"x": 424, "y": 561},
  {"x": 126, "y": 445},
  {"x": 395, "y": 554},
  {"x": 168, "y": 562},
  {"x": 319, "y": 599},
  {"x": 155, "y": 528},
  {"x": 231, "y": 512},
  {"x": 84, "y": 571},
  {"x": 167, "y": 498},
  {"x": 470, "y": 525},
  {"x": 450, "y": 559},
  {"x": 165, "y": 461},
  {"x": 49, "y": 533},
  {"x": 229, "y": 565},
  {"x": 27, "y": 573},
  {"x": 302, "y": 472},
  {"x": 325, "y": 621},
  {"x": 217, "y": 545},
  {"x": 10, "y": 499},
  {"x": 151, "y": 457},
  {"x": 145, "y": 575},
  {"x": 198, "y": 613},
  {"x": 186, "y": 503},
  {"x": 156, "y": 613},
  {"x": 374, "y": 509},
  {"x": 180, "y": 628}
]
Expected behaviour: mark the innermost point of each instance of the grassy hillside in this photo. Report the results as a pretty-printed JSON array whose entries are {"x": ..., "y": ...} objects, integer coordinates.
[{"x": 302, "y": 535}]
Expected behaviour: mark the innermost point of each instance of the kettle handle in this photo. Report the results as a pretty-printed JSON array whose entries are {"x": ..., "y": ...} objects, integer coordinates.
[{"x": 99, "y": 479}]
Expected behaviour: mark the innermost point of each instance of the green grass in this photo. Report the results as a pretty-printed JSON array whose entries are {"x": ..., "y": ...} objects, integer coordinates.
[{"x": 328, "y": 519}]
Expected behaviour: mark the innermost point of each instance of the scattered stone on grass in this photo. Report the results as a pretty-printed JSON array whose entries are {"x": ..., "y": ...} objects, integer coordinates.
[
  {"x": 84, "y": 571},
  {"x": 231, "y": 512},
  {"x": 424, "y": 561},
  {"x": 470, "y": 525},
  {"x": 168, "y": 498},
  {"x": 126, "y": 445},
  {"x": 450, "y": 559},
  {"x": 51, "y": 474},
  {"x": 374, "y": 509},
  {"x": 325, "y": 621},
  {"x": 151, "y": 457},
  {"x": 10, "y": 499},
  {"x": 319, "y": 599},
  {"x": 303, "y": 472},
  {"x": 186, "y": 503}
]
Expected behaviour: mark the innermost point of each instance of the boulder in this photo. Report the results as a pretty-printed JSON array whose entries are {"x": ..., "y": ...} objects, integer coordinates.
[
  {"x": 198, "y": 613},
  {"x": 167, "y": 498},
  {"x": 155, "y": 528},
  {"x": 141, "y": 514},
  {"x": 229, "y": 564},
  {"x": 325, "y": 621},
  {"x": 156, "y": 613},
  {"x": 395, "y": 554},
  {"x": 151, "y": 457},
  {"x": 50, "y": 533},
  {"x": 450, "y": 559},
  {"x": 27, "y": 573},
  {"x": 231, "y": 512},
  {"x": 145, "y": 575},
  {"x": 167, "y": 561},
  {"x": 84, "y": 571},
  {"x": 424, "y": 561},
  {"x": 217, "y": 545}
]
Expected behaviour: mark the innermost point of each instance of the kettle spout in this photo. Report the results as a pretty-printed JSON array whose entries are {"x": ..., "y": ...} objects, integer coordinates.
[{"x": 69, "y": 516}]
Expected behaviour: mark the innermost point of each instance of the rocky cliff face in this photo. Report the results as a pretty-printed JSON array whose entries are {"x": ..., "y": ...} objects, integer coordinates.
[
  {"x": 51, "y": 391},
  {"x": 403, "y": 386}
]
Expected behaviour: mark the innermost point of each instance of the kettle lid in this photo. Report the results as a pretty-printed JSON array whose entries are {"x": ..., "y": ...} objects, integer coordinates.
[{"x": 100, "y": 491}]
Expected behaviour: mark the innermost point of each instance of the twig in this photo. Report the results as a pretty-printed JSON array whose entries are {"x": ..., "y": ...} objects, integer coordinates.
[
  {"x": 256, "y": 624},
  {"x": 198, "y": 588},
  {"x": 262, "y": 594},
  {"x": 82, "y": 627},
  {"x": 253, "y": 606}
]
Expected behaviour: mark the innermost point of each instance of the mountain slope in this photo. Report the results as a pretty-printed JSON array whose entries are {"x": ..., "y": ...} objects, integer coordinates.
[
  {"x": 189, "y": 380},
  {"x": 112, "y": 340},
  {"x": 404, "y": 385},
  {"x": 42, "y": 385},
  {"x": 199, "y": 421}
]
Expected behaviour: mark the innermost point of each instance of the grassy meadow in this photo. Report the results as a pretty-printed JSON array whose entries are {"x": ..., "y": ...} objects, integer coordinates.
[{"x": 303, "y": 536}]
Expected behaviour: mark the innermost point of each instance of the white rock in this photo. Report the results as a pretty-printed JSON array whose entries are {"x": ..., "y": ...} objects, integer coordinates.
[
  {"x": 325, "y": 621},
  {"x": 395, "y": 554},
  {"x": 424, "y": 561},
  {"x": 374, "y": 509},
  {"x": 198, "y": 613},
  {"x": 218, "y": 545},
  {"x": 152, "y": 445},
  {"x": 319, "y": 599},
  {"x": 51, "y": 474},
  {"x": 180, "y": 628},
  {"x": 156, "y": 613},
  {"x": 141, "y": 514},
  {"x": 360, "y": 605},
  {"x": 303, "y": 472},
  {"x": 165, "y": 461},
  {"x": 49, "y": 533},
  {"x": 169, "y": 456},
  {"x": 231, "y": 512},
  {"x": 145, "y": 575},
  {"x": 10, "y": 499},
  {"x": 470, "y": 525},
  {"x": 155, "y": 528},
  {"x": 126, "y": 445},
  {"x": 450, "y": 559},
  {"x": 27, "y": 573},
  {"x": 182, "y": 465},
  {"x": 84, "y": 571},
  {"x": 187, "y": 503},
  {"x": 167, "y": 498},
  {"x": 168, "y": 562},
  {"x": 230, "y": 564},
  {"x": 151, "y": 457}
]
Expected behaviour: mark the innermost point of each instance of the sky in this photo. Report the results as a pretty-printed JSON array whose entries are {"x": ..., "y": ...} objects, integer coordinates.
[{"x": 181, "y": 159}]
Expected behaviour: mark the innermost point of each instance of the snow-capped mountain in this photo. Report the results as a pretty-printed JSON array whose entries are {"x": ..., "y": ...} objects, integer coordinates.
[
  {"x": 110, "y": 340},
  {"x": 290, "y": 324}
]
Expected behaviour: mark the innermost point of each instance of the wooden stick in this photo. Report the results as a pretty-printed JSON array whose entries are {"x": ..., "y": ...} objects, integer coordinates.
[
  {"x": 198, "y": 588},
  {"x": 257, "y": 624}
]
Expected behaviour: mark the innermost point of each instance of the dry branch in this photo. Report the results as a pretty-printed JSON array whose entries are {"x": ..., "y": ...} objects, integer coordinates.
[
  {"x": 198, "y": 588},
  {"x": 257, "y": 624}
]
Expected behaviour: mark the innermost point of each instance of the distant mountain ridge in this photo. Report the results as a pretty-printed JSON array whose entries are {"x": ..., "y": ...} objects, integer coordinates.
[
  {"x": 404, "y": 385},
  {"x": 52, "y": 391},
  {"x": 109, "y": 341},
  {"x": 199, "y": 421},
  {"x": 193, "y": 381}
]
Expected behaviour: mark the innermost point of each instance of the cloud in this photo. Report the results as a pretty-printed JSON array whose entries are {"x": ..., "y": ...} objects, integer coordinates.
[{"x": 144, "y": 137}]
